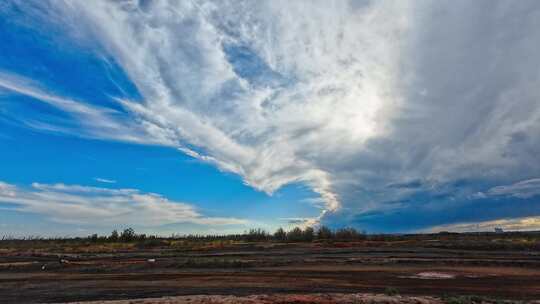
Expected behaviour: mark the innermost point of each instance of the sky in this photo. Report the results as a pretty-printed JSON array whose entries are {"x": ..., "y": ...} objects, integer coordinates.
[{"x": 220, "y": 116}]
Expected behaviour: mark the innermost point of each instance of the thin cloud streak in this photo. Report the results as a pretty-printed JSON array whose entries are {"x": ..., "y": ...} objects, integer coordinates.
[
  {"x": 83, "y": 205},
  {"x": 97, "y": 122},
  {"x": 531, "y": 223},
  {"x": 104, "y": 180},
  {"x": 523, "y": 189}
]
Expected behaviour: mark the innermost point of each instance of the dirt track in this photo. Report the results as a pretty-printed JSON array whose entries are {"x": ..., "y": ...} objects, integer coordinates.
[{"x": 32, "y": 278}]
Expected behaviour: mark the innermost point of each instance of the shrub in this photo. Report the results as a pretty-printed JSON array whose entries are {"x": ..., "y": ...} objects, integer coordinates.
[
  {"x": 93, "y": 238},
  {"x": 152, "y": 243},
  {"x": 391, "y": 291},
  {"x": 468, "y": 300}
]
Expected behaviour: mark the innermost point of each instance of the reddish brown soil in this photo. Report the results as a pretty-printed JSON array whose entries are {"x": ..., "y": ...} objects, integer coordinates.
[
  {"x": 247, "y": 271},
  {"x": 331, "y": 298}
]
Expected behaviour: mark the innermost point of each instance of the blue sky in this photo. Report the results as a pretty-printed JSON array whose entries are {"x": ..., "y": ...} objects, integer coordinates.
[{"x": 207, "y": 117}]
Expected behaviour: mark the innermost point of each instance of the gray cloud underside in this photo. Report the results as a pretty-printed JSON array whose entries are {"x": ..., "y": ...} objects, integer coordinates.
[{"x": 349, "y": 97}]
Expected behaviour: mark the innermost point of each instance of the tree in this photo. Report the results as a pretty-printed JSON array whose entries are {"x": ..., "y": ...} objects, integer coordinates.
[
  {"x": 256, "y": 235},
  {"x": 348, "y": 234},
  {"x": 295, "y": 235},
  {"x": 128, "y": 235},
  {"x": 325, "y": 233},
  {"x": 280, "y": 234},
  {"x": 93, "y": 238},
  {"x": 114, "y": 236},
  {"x": 308, "y": 234}
]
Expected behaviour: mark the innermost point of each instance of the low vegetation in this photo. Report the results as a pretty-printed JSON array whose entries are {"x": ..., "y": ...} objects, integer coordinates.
[
  {"x": 391, "y": 291},
  {"x": 468, "y": 299},
  {"x": 344, "y": 237}
]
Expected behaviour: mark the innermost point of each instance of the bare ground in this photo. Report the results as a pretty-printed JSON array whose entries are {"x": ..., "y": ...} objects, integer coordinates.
[
  {"x": 45, "y": 277},
  {"x": 330, "y": 298}
]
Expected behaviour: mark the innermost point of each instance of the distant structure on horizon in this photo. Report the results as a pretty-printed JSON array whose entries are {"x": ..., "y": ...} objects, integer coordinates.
[{"x": 498, "y": 230}]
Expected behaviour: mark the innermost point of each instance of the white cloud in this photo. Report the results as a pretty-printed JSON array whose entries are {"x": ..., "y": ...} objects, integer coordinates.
[
  {"x": 7, "y": 190},
  {"x": 105, "y": 180},
  {"x": 75, "y": 204},
  {"x": 301, "y": 222},
  {"x": 313, "y": 87},
  {"x": 96, "y": 122},
  {"x": 345, "y": 96},
  {"x": 523, "y": 189},
  {"x": 531, "y": 223}
]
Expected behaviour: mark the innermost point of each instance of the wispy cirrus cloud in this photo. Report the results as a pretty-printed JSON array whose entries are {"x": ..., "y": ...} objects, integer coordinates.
[
  {"x": 523, "y": 189},
  {"x": 105, "y": 180},
  {"x": 87, "y": 120},
  {"x": 84, "y": 205}
]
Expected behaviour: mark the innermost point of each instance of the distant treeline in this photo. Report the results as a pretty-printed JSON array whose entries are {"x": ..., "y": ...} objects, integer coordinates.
[
  {"x": 296, "y": 234},
  {"x": 524, "y": 239}
]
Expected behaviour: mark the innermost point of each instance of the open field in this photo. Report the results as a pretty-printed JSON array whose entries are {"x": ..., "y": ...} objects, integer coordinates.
[{"x": 41, "y": 271}]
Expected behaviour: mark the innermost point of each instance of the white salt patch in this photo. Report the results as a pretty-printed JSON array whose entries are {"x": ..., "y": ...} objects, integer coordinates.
[
  {"x": 428, "y": 275},
  {"x": 434, "y": 275}
]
